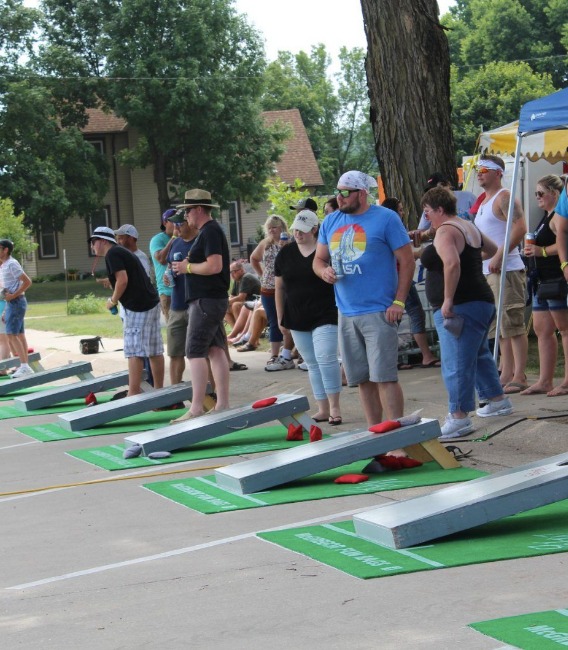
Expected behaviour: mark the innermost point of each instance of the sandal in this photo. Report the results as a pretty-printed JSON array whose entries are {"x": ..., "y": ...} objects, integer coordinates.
[
  {"x": 247, "y": 347},
  {"x": 238, "y": 366},
  {"x": 335, "y": 420}
]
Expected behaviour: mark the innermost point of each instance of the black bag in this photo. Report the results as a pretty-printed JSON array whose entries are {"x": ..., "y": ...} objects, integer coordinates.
[
  {"x": 552, "y": 289},
  {"x": 90, "y": 346}
]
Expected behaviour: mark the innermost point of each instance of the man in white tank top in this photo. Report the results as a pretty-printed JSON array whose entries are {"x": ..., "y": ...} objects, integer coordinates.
[{"x": 491, "y": 219}]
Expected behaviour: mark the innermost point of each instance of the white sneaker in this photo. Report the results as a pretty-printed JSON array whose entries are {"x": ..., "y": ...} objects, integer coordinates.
[
  {"x": 502, "y": 407},
  {"x": 280, "y": 364},
  {"x": 22, "y": 371},
  {"x": 455, "y": 428},
  {"x": 303, "y": 366}
]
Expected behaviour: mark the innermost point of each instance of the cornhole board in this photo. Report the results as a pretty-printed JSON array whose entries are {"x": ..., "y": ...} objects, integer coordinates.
[
  {"x": 292, "y": 464},
  {"x": 14, "y": 362},
  {"x": 459, "y": 507},
  {"x": 134, "y": 405},
  {"x": 289, "y": 409},
  {"x": 81, "y": 369},
  {"x": 71, "y": 391}
]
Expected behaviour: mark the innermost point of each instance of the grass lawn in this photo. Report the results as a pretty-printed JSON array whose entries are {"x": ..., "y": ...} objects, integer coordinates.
[
  {"x": 47, "y": 311},
  {"x": 52, "y": 317}
]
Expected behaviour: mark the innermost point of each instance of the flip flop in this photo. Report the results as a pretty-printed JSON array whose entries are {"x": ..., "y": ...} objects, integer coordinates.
[
  {"x": 537, "y": 391},
  {"x": 335, "y": 421},
  {"x": 238, "y": 366},
  {"x": 559, "y": 391},
  {"x": 514, "y": 387},
  {"x": 435, "y": 363}
]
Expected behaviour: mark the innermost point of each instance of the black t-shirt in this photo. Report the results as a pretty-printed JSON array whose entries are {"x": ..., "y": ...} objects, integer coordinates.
[
  {"x": 309, "y": 301},
  {"x": 140, "y": 293},
  {"x": 210, "y": 241},
  {"x": 548, "y": 267},
  {"x": 248, "y": 284}
]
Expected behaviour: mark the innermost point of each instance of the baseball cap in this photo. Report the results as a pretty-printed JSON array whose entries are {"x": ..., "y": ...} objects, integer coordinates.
[
  {"x": 305, "y": 204},
  {"x": 167, "y": 214},
  {"x": 127, "y": 229},
  {"x": 103, "y": 232},
  {"x": 177, "y": 217},
  {"x": 305, "y": 220}
]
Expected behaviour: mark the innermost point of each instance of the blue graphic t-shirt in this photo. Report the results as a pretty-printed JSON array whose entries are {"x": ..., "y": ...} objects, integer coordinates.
[
  {"x": 562, "y": 206},
  {"x": 366, "y": 243}
]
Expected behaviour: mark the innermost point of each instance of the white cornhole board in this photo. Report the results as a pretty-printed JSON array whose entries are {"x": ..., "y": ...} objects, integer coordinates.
[
  {"x": 288, "y": 409},
  {"x": 463, "y": 506},
  {"x": 290, "y": 464}
]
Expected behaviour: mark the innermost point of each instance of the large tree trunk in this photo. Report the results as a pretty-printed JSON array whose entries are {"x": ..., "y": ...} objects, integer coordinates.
[{"x": 408, "y": 73}]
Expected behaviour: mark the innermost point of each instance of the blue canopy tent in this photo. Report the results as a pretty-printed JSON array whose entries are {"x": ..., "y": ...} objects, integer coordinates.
[{"x": 543, "y": 114}]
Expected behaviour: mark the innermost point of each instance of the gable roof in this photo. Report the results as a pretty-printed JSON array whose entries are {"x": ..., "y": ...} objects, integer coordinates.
[
  {"x": 297, "y": 161},
  {"x": 101, "y": 122}
]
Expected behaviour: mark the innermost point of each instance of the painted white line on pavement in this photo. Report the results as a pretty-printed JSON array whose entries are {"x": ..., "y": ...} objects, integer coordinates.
[
  {"x": 179, "y": 551},
  {"x": 20, "y": 444}
]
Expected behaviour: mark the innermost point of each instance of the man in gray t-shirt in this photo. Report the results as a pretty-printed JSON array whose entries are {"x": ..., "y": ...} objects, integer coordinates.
[{"x": 245, "y": 286}]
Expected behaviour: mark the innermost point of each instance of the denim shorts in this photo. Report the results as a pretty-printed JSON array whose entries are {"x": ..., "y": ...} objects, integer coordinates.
[
  {"x": 14, "y": 315},
  {"x": 553, "y": 304},
  {"x": 369, "y": 348}
]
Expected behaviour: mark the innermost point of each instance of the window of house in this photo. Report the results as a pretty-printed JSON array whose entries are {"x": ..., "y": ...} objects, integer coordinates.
[
  {"x": 100, "y": 218},
  {"x": 234, "y": 223},
  {"x": 48, "y": 243},
  {"x": 99, "y": 145}
]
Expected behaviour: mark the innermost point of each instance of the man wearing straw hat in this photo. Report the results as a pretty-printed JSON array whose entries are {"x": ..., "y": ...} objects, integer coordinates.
[{"x": 207, "y": 282}]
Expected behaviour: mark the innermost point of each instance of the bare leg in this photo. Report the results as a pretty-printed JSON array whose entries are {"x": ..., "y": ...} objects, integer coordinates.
[
  {"x": 371, "y": 402},
  {"x": 520, "y": 348},
  {"x": 135, "y": 370},
  {"x": 157, "y": 366},
  {"x": 199, "y": 376},
  {"x": 24, "y": 344},
  {"x": 220, "y": 370},
  {"x": 507, "y": 364},
  {"x": 561, "y": 322},
  {"x": 422, "y": 342},
  {"x": 545, "y": 330},
  {"x": 17, "y": 348},
  {"x": 177, "y": 367}
]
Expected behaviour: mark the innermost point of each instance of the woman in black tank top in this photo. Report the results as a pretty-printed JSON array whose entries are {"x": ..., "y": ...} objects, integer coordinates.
[{"x": 463, "y": 310}]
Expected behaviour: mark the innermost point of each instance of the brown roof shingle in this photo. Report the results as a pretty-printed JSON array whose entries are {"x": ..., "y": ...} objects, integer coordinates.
[{"x": 298, "y": 161}]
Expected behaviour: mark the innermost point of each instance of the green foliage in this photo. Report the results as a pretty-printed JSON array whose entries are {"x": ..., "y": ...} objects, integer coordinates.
[
  {"x": 12, "y": 227},
  {"x": 187, "y": 75},
  {"x": 334, "y": 110},
  {"x": 88, "y": 304},
  {"x": 491, "y": 96},
  {"x": 281, "y": 196}
]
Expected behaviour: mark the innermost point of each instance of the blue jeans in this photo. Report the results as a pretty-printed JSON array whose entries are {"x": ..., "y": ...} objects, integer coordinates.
[
  {"x": 467, "y": 362},
  {"x": 269, "y": 304},
  {"x": 319, "y": 350},
  {"x": 415, "y": 311}
]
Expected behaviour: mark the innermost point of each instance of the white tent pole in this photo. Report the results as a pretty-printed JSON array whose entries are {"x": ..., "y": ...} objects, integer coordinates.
[{"x": 506, "y": 244}]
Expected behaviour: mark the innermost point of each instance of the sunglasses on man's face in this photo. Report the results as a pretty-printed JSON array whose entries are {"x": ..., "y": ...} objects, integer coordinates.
[
  {"x": 483, "y": 170},
  {"x": 344, "y": 193},
  {"x": 539, "y": 194}
]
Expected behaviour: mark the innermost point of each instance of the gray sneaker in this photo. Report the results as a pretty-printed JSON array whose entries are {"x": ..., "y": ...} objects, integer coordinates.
[
  {"x": 455, "y": 428},
  {"x": 502, "y": 407},
  {"x": 279, "y": 364}
]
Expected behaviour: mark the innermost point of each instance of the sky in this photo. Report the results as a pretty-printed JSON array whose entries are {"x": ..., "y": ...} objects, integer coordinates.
[{"x": 296, "y": 25}]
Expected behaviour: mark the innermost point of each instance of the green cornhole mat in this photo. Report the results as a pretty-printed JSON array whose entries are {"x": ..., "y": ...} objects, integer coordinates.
[
  {"x": 538, "y": 532},
  {"x": 24, "y": 391},
  {"x": 247, "y": 441},
  {"x": 141, "y": 422},
  {"x": 204, "y": 495},
  {"x": 7, "y": 412},
  {"x": 537, "y": 631}
]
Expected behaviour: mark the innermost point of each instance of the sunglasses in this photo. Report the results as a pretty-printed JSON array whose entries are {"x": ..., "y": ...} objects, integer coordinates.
[
  {"x": 483, "y": 170},
  {"x": 344, "y": 193},
  {"x": 539, "y": 194}
]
